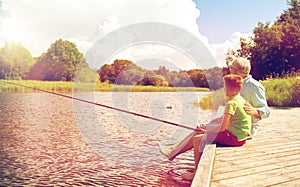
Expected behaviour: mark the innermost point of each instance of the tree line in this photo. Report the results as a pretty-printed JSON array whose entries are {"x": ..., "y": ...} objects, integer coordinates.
[
  {"x": 125, "y": 72},
  {"x": 60, "y": 62},
  {"x": 63, "y": 62},
  {"x": 274, "y": 51}
]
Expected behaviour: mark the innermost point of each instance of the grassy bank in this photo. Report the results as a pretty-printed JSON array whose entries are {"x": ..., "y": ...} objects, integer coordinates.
[
  {"x": 60, "y": 86},
  {"x": 281, "y": 92},
  {"x": 213, "y": 101},
  {"x": 13, "y": 86}
]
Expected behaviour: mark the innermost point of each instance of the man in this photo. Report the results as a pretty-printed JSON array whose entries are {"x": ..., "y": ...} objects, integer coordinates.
[
  {"x": 256, "y": 106},
  {"x": 252, "y": 91}
]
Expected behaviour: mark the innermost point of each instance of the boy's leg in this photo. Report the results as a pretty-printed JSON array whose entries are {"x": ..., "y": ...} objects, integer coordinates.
[
  {"x": 198, "y": 143},
  {"x": 226, "y": 138},
  {"x": 172, "y": 151},
  {"x": 186, "y": 144}
]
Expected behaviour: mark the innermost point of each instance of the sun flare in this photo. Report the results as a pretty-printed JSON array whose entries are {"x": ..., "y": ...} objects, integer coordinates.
[{"x": 12, "y": 30}]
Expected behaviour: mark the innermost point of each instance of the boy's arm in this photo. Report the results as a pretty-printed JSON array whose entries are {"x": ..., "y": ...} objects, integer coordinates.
[
  {"x": 217, "y": 120},
  {"x": 222, "y": 126},
  {"x": 225, "y": 121}
]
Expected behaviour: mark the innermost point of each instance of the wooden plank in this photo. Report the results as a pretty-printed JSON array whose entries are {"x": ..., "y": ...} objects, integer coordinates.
[
  {"x": 239, "y": 160},
  {"x": 245, "y": 156},
  {"x": 266, "y": 178},
  {"x": 272, "y": 158},
  {"x": 258, "y": 147},
  {"x": 254, "y": 169},
  {"x": 289, "y": 183},
  {"x": 205, "y": 166}
]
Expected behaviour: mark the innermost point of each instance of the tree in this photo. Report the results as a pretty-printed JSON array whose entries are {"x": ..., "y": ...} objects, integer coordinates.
[
  {"x": 121, "y": 72},
  {"x": 126, "y": 72},
  {"x": 173, "y": 78},
  {"x": 59, "y": 63},
  {"x": 290, "y": 23},
  {"x": 275, "y": 49},
  {"x": 15, "y": 61},
  {"x": 184, "y": 80},
  {"x": 121, "y": 65},
  {"x": 246, "y": 45},
  {"x": 198, "y": 78},
  {"x": 5, "y": 67},
  {"x": 86, "y": 74},
  {"x": 214, "y": 77},
  {"x": 106, "y": 73},
  {"x": 153, "y": 80}
]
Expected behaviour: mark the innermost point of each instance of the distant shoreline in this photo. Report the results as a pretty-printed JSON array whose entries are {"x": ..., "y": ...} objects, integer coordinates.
[{"x": 67, "y": 87}]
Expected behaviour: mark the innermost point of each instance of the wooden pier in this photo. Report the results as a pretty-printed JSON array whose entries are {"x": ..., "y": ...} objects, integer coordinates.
[{"x": 272, "y": 158}]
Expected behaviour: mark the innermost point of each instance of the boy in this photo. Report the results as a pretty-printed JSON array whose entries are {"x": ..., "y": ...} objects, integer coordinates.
[{"x": 235, "y": 127}]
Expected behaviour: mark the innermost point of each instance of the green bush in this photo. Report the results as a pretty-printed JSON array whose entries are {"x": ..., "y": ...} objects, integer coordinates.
[
  {"x": 283, "y": 92},
  {"x": 214, "y": 100}
]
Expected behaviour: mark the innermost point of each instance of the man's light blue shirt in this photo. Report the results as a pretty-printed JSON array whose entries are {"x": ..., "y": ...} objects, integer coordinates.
[{"x": 254, "y": 92}]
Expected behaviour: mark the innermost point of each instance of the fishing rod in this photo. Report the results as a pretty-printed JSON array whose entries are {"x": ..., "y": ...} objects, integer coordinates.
[{"x": 101, "y": 105}]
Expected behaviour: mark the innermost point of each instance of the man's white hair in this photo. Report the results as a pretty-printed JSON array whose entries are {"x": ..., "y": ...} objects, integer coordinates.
[{"x": 242, "y": 65}]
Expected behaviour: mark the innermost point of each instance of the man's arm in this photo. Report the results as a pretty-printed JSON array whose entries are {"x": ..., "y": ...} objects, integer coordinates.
[
  {"x": 259, "y": 108},
  {"x": 252, "y": 111}
]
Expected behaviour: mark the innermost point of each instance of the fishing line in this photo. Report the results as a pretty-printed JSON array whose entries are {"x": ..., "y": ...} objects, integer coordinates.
[{"x": 102, "y": 105}]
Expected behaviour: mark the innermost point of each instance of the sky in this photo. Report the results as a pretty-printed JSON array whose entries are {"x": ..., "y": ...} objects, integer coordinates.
[
  {"x": 218, "y": 24},
  {"x": 219, "y": 19}
]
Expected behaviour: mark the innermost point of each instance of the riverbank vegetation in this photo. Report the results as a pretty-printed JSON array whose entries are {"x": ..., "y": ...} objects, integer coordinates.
[
  {"x": 284, "y": 92},
  {"x": 25, "y": 86}
]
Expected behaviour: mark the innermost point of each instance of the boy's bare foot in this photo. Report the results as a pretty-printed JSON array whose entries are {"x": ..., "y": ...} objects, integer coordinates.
[
  {"x": 188, "y": 176},
  {"x": 166, "y": 150}
]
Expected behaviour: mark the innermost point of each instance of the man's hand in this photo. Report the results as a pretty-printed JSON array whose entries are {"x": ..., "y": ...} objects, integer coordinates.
[{"x": 251, "y": 110}]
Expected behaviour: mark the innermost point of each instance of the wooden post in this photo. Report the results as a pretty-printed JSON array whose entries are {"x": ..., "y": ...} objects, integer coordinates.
[{"x": 205, "y": 166}]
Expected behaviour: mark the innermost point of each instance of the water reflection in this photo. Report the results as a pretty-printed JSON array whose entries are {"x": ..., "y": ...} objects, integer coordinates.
[{"x": 46, "y": 140}]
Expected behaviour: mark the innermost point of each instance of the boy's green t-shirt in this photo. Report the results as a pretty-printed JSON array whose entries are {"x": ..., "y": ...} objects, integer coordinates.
[{"x": 240, "y": 123}]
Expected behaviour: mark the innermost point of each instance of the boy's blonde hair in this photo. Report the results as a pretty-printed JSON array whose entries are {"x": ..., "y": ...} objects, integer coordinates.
[{"x": 233, "y": 82}]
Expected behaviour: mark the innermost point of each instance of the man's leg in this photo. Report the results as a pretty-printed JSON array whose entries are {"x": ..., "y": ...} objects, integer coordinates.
[{"x": 254, "y": 128}]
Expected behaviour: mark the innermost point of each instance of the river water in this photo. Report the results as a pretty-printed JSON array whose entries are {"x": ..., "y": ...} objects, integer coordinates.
[{"x": 51, "y": 140}]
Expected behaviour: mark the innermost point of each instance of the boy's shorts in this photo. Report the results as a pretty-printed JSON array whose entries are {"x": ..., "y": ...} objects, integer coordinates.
[{"x": 224, "y": 138}]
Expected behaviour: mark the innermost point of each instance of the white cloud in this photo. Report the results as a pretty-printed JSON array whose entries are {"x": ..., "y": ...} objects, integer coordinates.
[
  {"x": 82, "y": 45},
  {"x": 158, "y": 55},
  {"x": 107, "y": 25},
  {"x": 46, "y": 21},
  {"x": 219, "y": 50},
  {"x": 85, "y": 21}
]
